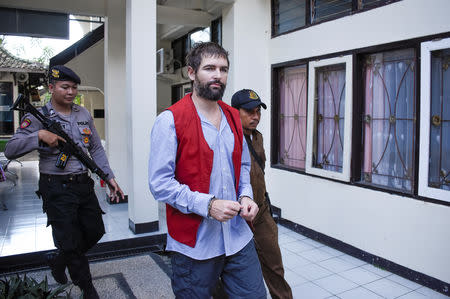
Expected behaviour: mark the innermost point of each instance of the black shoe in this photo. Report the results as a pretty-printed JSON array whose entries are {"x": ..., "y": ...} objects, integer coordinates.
[
  {"x": 58, "y": 268},
  {"x": 89, "y": 291}
]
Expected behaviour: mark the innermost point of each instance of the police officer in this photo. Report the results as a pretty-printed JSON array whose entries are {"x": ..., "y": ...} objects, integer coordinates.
[
  {"x": 265, "y": 229},
  {"x": 68, "y": 193}
]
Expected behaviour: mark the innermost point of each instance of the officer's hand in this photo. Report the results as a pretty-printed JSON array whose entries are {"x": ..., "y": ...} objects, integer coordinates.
[
  {"x": 224, "y": 210},
  {"x": 249, "y": 208},
  {"x": 115, "y": 193},
  {"x": 49, "y": 138}
]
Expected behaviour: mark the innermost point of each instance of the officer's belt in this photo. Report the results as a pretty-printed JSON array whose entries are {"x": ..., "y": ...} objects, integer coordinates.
[{"x": 78, "y": 177}]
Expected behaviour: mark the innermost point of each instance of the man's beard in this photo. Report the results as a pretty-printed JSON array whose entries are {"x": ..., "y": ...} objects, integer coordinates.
[{"x": 205, "y": 90}]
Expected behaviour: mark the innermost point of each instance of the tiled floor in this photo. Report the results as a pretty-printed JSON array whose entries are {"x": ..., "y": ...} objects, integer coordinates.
[
  {"x": 23, "y": 226},
  {"x": 312, "y": 269}
]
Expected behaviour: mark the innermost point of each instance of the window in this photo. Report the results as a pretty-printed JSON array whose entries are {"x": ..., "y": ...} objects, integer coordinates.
[
  {"x": 216, "y": 31},
  {"x": 292, "y": 117},
  {"x": 329, "y": 9},
  {"x": 389, "y": 128},
  {"x": 182, "y": 45},
  {"x": 6, "y": 116},
  {"x": 289, "y": 15},
  {"x": 370, "y": 3},
  {"x": 434, "y": 169},
  {"x": 199, "y": 36},
  {"x": 180, "y": 48},
  {"x": 329, "y": 118}
]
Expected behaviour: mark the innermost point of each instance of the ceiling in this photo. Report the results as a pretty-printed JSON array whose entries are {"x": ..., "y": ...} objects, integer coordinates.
[
  {"x": 175, "y": 17},
  {"x": 178, "y": 17}
]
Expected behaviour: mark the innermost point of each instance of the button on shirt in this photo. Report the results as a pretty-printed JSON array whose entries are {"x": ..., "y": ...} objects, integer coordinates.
[{"x": 214, "y": 238}]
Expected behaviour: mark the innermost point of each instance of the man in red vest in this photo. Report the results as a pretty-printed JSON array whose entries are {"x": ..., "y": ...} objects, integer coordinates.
[{"x": 199, "y": 166}]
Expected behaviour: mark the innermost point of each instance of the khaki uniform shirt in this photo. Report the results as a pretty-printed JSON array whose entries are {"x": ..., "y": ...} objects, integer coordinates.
[{"x": 257, "y": 175}]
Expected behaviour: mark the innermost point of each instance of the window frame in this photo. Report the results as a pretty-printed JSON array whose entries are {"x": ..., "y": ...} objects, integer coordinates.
[
  {"x": 358, "y": 54},
  {"x": 358, "y": 156},
  {"x": 356, "y": 8},
  {"x": 310, "y": 131},
  {"x": 275, "y": 114},
  {"x": 425, "y": 119}
]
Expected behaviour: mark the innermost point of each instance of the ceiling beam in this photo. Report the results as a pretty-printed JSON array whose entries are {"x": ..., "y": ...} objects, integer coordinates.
[
  {"x": 225, "y": 1},
  {"x": 180, "y": 16}
]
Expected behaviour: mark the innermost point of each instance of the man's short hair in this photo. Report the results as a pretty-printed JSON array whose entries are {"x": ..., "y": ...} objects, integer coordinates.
[{"x": 204, "y": 49}]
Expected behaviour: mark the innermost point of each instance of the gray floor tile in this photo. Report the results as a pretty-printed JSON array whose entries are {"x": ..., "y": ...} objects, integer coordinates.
[
  {"x": 297, "y": 247},
  {"x": 404, "y": 282},
  {"x": 360, "y": 276},
  {"x": 310, "y": 291},
  {"x": 332, "y": 251},
  {"x": 376, "y": 270},
  {"x": 335, "y": 284},
  {"x": 292, "y": 260},
  {"x": 359, "y": 293},
  {"x": 353, "y": 260},
  {"x": 387, "y": 288},
  {"x": 316, "y": 255},
  {"x": 313, "y": 243},
  {"x": 336, "y": 265},
  {"x": 285, "y": 238},
  {"x": 312, "y": 271},
  {"x": 283, "y": 229},
  {"x": 431, "y": 293},
  {"x": 413, "y": 295},
  {"x": 292, "y": 278},
  {"x": 295, "y": 235}
]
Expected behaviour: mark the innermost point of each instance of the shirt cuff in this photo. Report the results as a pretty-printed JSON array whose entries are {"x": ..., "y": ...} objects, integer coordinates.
[
  {"x": 246, "y": 192},
  {"x": 202, "y": 203}
]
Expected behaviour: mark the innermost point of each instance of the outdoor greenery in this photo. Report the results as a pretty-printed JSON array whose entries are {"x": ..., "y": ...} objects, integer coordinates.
[
  {"x": 46, "y": 52},
  {"x": 28, "y": 288}
]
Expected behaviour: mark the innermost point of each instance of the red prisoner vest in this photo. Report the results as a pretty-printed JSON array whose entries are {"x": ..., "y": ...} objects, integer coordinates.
[{"x": 194, "y": 163}]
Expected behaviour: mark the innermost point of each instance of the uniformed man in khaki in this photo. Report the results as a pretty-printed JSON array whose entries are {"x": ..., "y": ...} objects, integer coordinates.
[
  {"x": 68, "y": 193},
  {"x": 265, "y": 228}
]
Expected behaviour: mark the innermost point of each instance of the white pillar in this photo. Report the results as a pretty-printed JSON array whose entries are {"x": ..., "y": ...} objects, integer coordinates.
[
  {"x": 141, "y": 109},
  {"x": 130, "y": 103},
  {"x": 115, "y": 95}
]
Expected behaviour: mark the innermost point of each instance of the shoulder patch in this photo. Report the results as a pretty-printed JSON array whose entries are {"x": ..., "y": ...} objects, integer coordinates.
[
  {"x": 26, "y": 122},
  {"x": 86, "y": 131}
]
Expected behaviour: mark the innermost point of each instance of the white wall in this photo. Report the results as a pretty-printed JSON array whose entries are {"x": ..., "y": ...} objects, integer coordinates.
[
  {"x": 406, "y": 231},
  {"x": 89, "y": 65}
]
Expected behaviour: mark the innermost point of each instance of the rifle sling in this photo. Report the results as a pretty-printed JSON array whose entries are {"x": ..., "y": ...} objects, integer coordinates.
[{"x": 254, "y": 154}]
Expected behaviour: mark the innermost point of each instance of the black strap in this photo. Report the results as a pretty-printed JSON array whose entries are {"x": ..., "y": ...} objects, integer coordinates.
[
  {"x": 255, "y": 155},
  {"x": 260, "y": 163}
]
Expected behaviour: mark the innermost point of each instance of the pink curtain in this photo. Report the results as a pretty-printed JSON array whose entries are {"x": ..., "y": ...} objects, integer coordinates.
[{"x": 293, "y": 107}]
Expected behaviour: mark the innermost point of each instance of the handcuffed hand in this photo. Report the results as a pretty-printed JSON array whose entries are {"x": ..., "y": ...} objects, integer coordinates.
[
  {"x": 223, "y": 210},
  {"x": 249, "y": 208}
]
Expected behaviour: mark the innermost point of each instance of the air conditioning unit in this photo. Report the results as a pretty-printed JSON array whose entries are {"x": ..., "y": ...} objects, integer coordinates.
[{"x": 164, "y": 62}]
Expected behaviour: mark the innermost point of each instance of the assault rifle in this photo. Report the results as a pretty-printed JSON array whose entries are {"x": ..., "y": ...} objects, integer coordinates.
[{"x": 67, "y": 148}]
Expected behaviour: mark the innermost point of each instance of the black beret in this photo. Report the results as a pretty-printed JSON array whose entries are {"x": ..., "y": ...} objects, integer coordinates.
[{"x": 63, "y": 73}]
